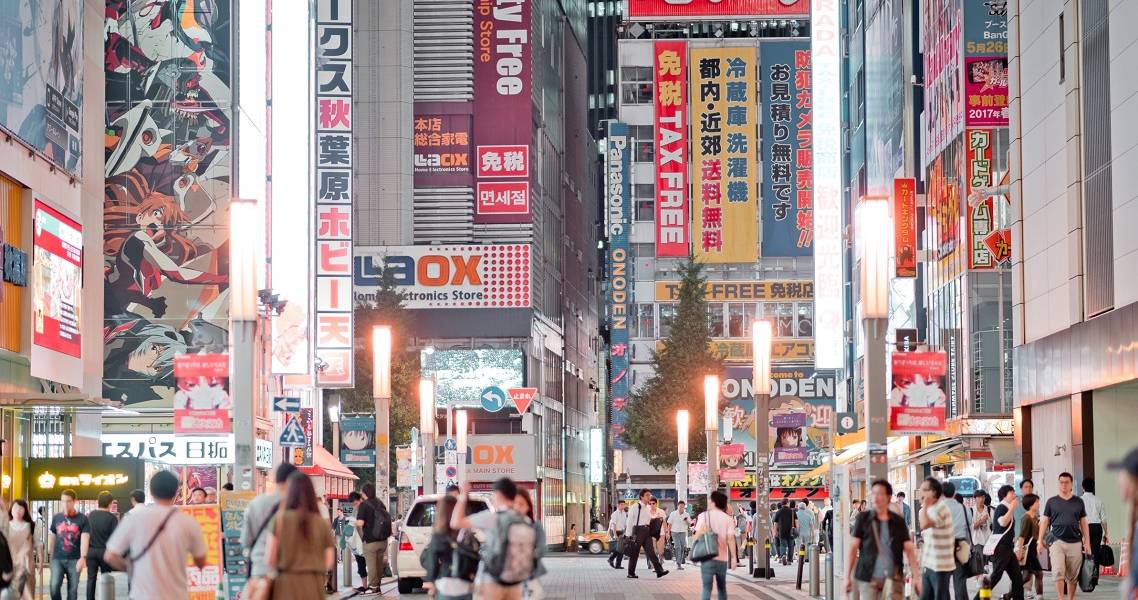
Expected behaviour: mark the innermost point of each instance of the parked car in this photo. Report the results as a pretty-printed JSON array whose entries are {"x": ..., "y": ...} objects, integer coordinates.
[
  {"x": 415, "y": 534},
  {"x": 594, "y": 542}
]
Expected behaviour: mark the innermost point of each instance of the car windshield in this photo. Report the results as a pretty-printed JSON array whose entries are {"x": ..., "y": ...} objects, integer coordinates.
[{"x": 423, "y": 513}]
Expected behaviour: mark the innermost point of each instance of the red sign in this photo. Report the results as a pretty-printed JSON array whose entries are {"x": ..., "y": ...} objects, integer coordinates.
[
  {"x": 917, "y": 400},
  {"x": 503, "y": 161},
  {"x": 502, "y": 198},
  {"x": 999, "y": 243},
  {"x": 986, "y": 91},
  {"x": 981, "y": 219},
  {"x": 720, "y": 9},
  {"x": 522, "y": 398},
  {"x": 442, "y": 148},
  {"x": 57, "y": 278},
  {"x": 905, "y": 225},
  {"x": 672, "y": 203},
  {"x": 201, "y": 402}
]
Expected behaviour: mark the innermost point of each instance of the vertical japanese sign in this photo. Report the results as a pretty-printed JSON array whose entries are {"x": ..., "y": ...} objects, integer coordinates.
[
  {"x": 829, "y": 247},
  {"x": 672, "y": 207},
  {"x": 357, "y": 439},
  {"x": 917, "y": 400},
  {"x": 302, "y": 455},
  {"x": 723, "y": 155},
  {"x": 981, "y": 220},
  {"x": 333, "y": 174},
  {"x": 57, "y": 289},
  {"x": 442, "y": 147},
  {"x": 617, "y": 217},
  {"x": 233, "y": 505},
  {"x": 944, "y": 110},
  {"x": 205, "y": 581},
  {"x": 788, "y": 149},
  {"x": 202, "y": 402},
  {"x": 503, "y": 107},
  {"x": 905, "y": 226},
  {"x": 985, "y": 37}
]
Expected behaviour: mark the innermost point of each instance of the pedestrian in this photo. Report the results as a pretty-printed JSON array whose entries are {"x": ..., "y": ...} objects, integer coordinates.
[
  {"x": 828, "y": 524},
  {"x": 937, "y": 556},
  {"x": 571, "y": 538},
  {"x": 355, "y": 544},
  {"x": 509, "y": 550},
  {"x": 961, "y": 540},
  {"x": 1128, "y": 488},
  {"x": 906, "y": 511},
  {"x": 784, "y": 520},
  {"x": 102, "y": 524},
  {"x": 1028, "y": 534},
  {"x": 658, "y": 526},
  {"x": 617, "y": 522},
  {"x": 1096, "y": 518},
  {"x": 21, "y": 545},
  {"x": 678, "y": 525},
  {"x": 1065, "y": 520},
  {"x": 258, "y": 519},
  {"x": 640, "y": 520},
  {"x": 880, "y": 542},
  {"x": 1003, "y": 557},
  {"x": 1026, "y": 487},
  {"x": 375, "y": 529},
  {"x": 300, "y": 547},
  {"x": 716, "y": 520},
  {"x": 137, "y": 498},
  {"x": 806, "y": 525},
  {"x": 982, "y": 516},
  {"x": 157, "y": 539},
  {"x": 68, "y": 529},
  {"x": 446, "y": 578},
  {"x": 523, "y": 504}
]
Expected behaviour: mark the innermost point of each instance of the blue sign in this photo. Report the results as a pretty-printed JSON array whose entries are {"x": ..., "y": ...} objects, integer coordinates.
[
  {"x": 619, "y": 270},
  {"x": 493, "y": 398},
  {"x": 288, "y": 405},
  {"x": 293, "y": 434},
  {"x": 451, "y": 445},
  {"x": 788, "y": 167}
]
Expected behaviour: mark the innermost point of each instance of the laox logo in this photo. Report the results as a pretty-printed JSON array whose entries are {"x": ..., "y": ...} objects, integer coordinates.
[
  {"x": 432, "y": 270},
  {"x": 451, "y": 159},
  {"x": 490, "y": 454}
]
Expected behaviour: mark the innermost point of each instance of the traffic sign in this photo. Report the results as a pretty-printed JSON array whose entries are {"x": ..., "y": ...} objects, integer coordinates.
[
  {"x": 522, "y": 398},
  {"x": 293, "y": 434},
  {"x": 493, "y": 398},
  {"x": 847, "y": 422},
  {"x": 286, "y": 404},
  {"x": 451, "y": 445}
]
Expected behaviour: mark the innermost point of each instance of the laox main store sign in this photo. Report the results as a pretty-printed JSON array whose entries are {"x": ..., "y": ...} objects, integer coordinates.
[{"x": 470, "y": 276}]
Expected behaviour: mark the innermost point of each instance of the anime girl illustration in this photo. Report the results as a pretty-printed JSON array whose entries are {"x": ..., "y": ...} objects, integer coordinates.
[
  {"x": 139, "y": 356},
  {"x": 788, "y": 437}
]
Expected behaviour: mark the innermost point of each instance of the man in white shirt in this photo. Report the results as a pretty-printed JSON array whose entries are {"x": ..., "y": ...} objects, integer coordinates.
[
  {"x": 617, "y": 522},
  {"x": 639, "y": 521},
  {"x": 1096, "y": 517},
  {"x": 679, "y": 523}
]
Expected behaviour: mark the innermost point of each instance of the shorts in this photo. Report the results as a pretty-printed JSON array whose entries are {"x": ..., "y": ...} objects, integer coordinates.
[{"x": 1066, "y": 560}]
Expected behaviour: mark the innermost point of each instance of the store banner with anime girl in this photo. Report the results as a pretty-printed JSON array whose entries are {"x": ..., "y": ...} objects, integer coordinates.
[
  {"x": 202, "y": 402},
  {"x": 917, "y": 401},
  {"x": 731, "y": 463}
]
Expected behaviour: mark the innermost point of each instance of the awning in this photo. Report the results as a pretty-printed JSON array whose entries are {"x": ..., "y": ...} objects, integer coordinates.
[
  {"x": 820, "y": 494},
  {"x": 930, "y": 453},
  {"x": 777, "y": 494},
  {"x": 335, "y": 479}
]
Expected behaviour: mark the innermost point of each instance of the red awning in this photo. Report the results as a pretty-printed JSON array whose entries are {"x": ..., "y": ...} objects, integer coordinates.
[
  {"x": 820, "y": 494},
  {"x": 777, "y": 494},
  {"x": 323, "y": 463},
  {"x": 799, "y": 494}
]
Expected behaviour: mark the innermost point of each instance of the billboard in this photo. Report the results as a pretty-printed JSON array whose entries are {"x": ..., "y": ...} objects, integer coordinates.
[
  {"x": 86, "y": 475},
  {"x": 475, "y": 276},
  {"x": 723, "y": 155},
  {"x": 944, "y": 200},
  {"x": 981, "y": 221},
  {"x": 41, "y": 82},
  {"x": 985, "y": 40},
  {"x": 504, "y": 105},
  {"x": 57, "y": 291},
  {"x": 204, "y": 581},
  {"x": 442, "y": 147},
  {"x": 944, "y": 106},
  {"x": 905, "y": 226},
  {"x": 787, "y": 438},
  {"x": 461, "y": 375},
  {"x": 829, "y": 247},
  {"x": 166, "y": 194},
  {"x": 618, "y": 221},
  {"x": 357, "y": 439},
  {"x": 788, "y": 182},
  {"x": 885, "y": 88},
  {"x": 650, "y": 10},
  {"x": 917, "y": 400},
  {"x": 671, "y": 126},
  {"x": 202, "y": 402},
  {"x": 492, "y": 457},
  {"x": 169, "y": 448},
  {"x": 739, "y": 291}
]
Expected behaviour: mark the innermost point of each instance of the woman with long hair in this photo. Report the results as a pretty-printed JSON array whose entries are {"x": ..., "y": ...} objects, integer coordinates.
[
  {"x": 523, "y": 505},
  {"x": 300, "y": 547},
  {"x": 446, "y": 580},
  {"x": 21, "y": 536},
  {"x": 1026, "y": 546}
]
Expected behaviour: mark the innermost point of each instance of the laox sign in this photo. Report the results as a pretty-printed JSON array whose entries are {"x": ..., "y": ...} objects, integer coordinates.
[
  {"x": 434, "y": 270},
  {"x": 491, "y": 454},
  {"x": 459, "y": 276}
]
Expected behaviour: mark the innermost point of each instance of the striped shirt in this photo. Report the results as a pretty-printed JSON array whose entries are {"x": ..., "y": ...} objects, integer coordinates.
[{"x": 937, "y": 554}]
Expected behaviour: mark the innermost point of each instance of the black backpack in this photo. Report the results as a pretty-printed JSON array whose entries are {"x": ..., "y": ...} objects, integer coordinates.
[{"x": 380, "y": 523}]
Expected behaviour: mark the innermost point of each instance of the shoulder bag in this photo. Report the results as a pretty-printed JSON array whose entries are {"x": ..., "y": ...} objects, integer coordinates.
[
  {"x": 261, "y": 588},
  {"x": 878, "y": 583},
  {"x": 706, "y": 546},
  {"x": 256, "y": 537},
  {"x": 975, "y": 563},
  {"x": 990, "y": 545}
]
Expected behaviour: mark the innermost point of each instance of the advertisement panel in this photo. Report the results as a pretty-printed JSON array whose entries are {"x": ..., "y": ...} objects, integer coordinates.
[
  {"x": 442, "y": 147},
  {"x": 672, "y": 204},
  {"x": 169, "y": 448},
  {"x": 205, "y": 581},
  {"x": 723, "y": 155},
  {"x": 731, "y": 463},
  {"x": 944, "y": 107},
  {"x": 504, "y": 106},
  {"x": 202, "y": 402},
  {"x": 233, "y": 505},
  {"x": 650, "y": 10},
  {"x": 885, "y": 97},
  {"x": 57, "y": 284},
  {"x": 788, "y": 158},
  {"x": 196, "y": 476},
  {"x": 699, "y": 481},
  {"x": 617, "y": 219},
  {"x": 829, "y": 244},
  {"x": 790, "y": 350},
  {"x": 736, "y": 291},
  {"x": 787, "y": 444},
  {"x": 461, "y": 375},
  {"x": 41, "y": 84},
  {"x": 492, "y": 457},
  {"x": 476, "y": 276},
  {"x": 405, "y": 470},
  {"x": 357, "y": 439},
  {"x": 48, "y": 477},
  {"x": 981, "y": 221},
  {"x": 905, "y": 226},
  {"x": 985, "y": 40},
  {"x": 917, "y": 401},
  {"x": 944, "y": 200},
  {"x": 166, "y": 202}
]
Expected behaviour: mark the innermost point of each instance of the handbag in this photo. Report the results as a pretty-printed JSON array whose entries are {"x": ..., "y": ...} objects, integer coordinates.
[
  {"x": 990, "y": 545},
  {"x": 706, "y": 547},
  {"x": 1021, "y": 550},
  {"x": 669, "y": 551},
  {"x": 1088, "y": 574},
  {"x": 974, "y": 564},
  {"x": 1105, "y": 556}
]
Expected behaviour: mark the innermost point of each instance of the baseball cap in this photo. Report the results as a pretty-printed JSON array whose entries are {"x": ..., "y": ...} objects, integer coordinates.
[{"x": 1128, "y": 463}]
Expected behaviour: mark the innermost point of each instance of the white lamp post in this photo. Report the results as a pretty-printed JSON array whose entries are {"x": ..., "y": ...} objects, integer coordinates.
[
  {"x": 427, "y": 432},
  {"x": 683, "y": 423},
  {"x": 246, "y": 219},
  {"x": 381, "y": 394},
  {"x": 461, "y": 421},
  {"x": 711, "y": 426},
  {"x": 874, "y": 234},
  {"x": 761, "y": 384}
]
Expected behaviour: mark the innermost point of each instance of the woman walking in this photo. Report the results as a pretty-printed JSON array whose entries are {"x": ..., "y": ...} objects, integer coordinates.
[
  {"x": 1026, "y": 546},
  {"x": 523, "y": 504},
  {"x": 446, "y": 580},
  {"x": 716, "y": 520},
  {"x": 300, "y": 548},
  {"x": 21, "y": 544}
]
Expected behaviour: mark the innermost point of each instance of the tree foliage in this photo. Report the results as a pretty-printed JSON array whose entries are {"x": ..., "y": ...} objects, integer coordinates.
[{"x": 677, "y": 383}]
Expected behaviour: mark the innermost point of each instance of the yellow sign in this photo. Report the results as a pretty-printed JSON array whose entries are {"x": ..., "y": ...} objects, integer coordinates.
[
  {"x": 724, "y": 185},
  {"x": 741, "y": 291},
  {"x": 204, "y": 582},
  {"x": 784, "y": 350}
]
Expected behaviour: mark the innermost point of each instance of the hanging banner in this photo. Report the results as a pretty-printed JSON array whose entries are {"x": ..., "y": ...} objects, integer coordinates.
[
  {"x": 788, "y": 159},
  {"x": 233, "y": 505},
  {"x": 202, "y": 402},
  {"x": 917, "y": 402},
  {"x": 357, "y": 440},
  {"x": 829, "y": 242},
  {"x": 723, "y": 155},
  {"x": 617, "y": 220},
  {"x": 985, "y": 41},
  {"x": 731, "y": 463},
  {"x": 788, "y": 445},
  {"x": 302, "y": 455},
  {"x": 698, "y": 481},
  {"x": 672, "y": 207},
  {"x": 205, "y": 582},
  {"x": 943, "y": 110},
  {"x": 404, "y": 468},
  {"x": 905, "y": 226},
  {"x": 57, "y": 289},
  {"x": 981, "y": 220}
]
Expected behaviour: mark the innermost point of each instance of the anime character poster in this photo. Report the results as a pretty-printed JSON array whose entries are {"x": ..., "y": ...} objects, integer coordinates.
[
  {"x": 731, "y": 463},
  {"x": 166, "y": 197},
  {"x": 918, "y": 400},
  {"x": 788, "y": 445},
  {"x": 358, "y": 442},
  {"x": 202, "y": 402}
]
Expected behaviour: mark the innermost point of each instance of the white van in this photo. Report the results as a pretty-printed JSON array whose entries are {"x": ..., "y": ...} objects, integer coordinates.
[{"x": 415, "y": 534}]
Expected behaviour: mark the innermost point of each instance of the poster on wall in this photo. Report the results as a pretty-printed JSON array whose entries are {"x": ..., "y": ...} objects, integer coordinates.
[
  {"x": 357, "y": 439},
  {"x": 985, "y": 41},
  {"x": 57, "y": 290},
  {"x": 731, "y": 463},
  {"x": 917, "y": 401},
  {"x": 788, "y": 444},
  {"x": 41, "y": 82},
  {"x": 204, "y": 582},
  {"x": 405, "y": 470},
  {"x": 202, "y": 402},
  {"x": 698, "y": 482},
  {"x": 196, "y": 476},
  {"x": 905, "y": 226},
  {"x": 671, "y": 127},
  {"x": 618, "y": 221},
  {"x": 167, "y": 189},
  {"x": 944, "y": 200},
  {"x": 788, "y": 171}
]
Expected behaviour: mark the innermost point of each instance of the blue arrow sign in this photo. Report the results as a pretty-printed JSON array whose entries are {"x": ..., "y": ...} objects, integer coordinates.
[
  {"x": 293, "y": 434},
  {"x": 493, "y": 398},
  {"x": 285, "y": 404}
]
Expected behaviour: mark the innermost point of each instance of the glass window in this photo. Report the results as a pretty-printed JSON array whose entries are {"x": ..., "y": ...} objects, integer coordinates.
[
  {"x": 667, "y": 313},
  {"x": 805, "y": 319},
  {"x": 645, "y": 320},
  {"x": 715, "y": 319},
  {"x": 736, "y": 320},
  {"x": 784, "y": 319},
  {"x": 645, "y": 210},
  {"x": 643, "y": 190},
  {"x": 636, "y": 93},
  {"x": 645, "y": 151}
]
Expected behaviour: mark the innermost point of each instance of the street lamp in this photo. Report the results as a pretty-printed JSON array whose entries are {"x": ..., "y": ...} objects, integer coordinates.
[
  {"x": 427, "y": 432},
  {"x": 761, "y": 384},
  {"x": 711, "y": 426},
  {"x": 381, "y": 394},
  {"x": 873, "y": 240},
  {"x": 683, "y": 422},
  {"x": 334, "y": 418},
  {"x": 243, "y": 218},
  {"x": 461, "y": 419}
]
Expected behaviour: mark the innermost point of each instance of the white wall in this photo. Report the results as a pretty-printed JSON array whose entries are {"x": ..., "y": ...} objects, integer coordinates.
[
  {"x": 1124, "y": 147},
  {"x": 1051, "y": 429},
  {"x": 1115, "y": 411}
]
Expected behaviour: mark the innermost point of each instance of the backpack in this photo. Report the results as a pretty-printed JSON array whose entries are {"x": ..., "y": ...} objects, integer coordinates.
[
  {"x": 512, "y": 557},
  {"x": 381, "y": 522}
]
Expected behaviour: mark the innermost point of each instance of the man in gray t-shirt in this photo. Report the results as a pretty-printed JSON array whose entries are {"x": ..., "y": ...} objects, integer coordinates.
[{"x": 255, "y": 523}]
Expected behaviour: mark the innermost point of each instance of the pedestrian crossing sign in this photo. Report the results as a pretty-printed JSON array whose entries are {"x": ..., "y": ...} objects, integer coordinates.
[{"x": 293, "y": 434}]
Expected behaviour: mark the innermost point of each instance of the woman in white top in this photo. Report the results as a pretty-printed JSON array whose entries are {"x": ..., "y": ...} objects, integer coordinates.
[
  {"x": 21, "y": 545},
  {"x": 981, "y": 518},
  {"x": 717, "y": 521}
]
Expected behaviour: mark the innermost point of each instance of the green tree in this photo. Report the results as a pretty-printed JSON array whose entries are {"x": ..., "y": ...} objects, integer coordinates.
[{"x": 677, "y": 382}]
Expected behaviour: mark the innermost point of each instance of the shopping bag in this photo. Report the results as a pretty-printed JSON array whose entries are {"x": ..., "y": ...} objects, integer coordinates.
[
  {"x": 1087, "y": 574},
  {"x": 706, "y": 547}
]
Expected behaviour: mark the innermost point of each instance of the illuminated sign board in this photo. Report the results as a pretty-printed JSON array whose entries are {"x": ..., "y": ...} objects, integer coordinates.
[
  {"x": 86, "y": 475},
  {"x": 648, "y": 10},
  {"x": 474, "y": 276},
  {"x": 492, "y": 457},
  {"x": 57, "y": 279},
  {"x": 171, "y": 449}
]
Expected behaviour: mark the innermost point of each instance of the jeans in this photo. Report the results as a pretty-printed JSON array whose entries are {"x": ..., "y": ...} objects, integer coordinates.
[
  {"x": 935, "y": 584},
  {"x": 714, "y": 571},
  {"x": 95, "y": 565},
  {"x": 375, "y": 554},
  {"x": 787, "y": 547},
  {"x": 679, "y": 547},
  {"x": 70, "y": 567}
]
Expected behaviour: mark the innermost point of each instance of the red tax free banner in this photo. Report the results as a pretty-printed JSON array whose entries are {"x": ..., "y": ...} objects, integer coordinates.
[
  {"x": 656, "y": 9},
  {"x": 673, "y": 232}
]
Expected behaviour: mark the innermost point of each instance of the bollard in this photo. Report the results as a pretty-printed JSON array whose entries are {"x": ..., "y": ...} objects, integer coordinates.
[
  {"x": 830, "y": 576},
  {"x": 106, "y": 587},
  {"x": 801, "y": 561},
  {"x": 815, "y": 584},
  {"x": 985, "y": 592},
  {"x": 349, "y": 561}
]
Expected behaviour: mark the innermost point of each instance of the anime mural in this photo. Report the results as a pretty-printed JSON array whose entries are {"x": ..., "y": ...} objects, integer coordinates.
[{"x": 166, "y": 202}]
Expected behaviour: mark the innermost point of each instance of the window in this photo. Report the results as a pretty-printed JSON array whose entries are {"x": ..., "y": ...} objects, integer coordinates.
[
  {"x": 781, "y": 316},
  {"x": 736, "y": 321},
  {"x": 636, "y": 85},
  {"x": 645, "y": 150},
  {"x": 645, "y": 320},
  {"x": 643, "y": 190},
  {"x": 667, "y": 313},
  {"x": 1062, "y": 49},
  {"x": 715, "y": 319},
  {"x": 645, "y": 210},
  {"x": 805, "y": 319}
]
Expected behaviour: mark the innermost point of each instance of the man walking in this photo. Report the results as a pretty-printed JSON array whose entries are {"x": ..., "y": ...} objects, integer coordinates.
[
  {"x": 880, "y": 540},
  {"x": 805, "y": 518},
  {"x": 102, "y": 523},
  {"x": 679, "y": 523},
  {"x": 256, "y": 523},
  {"x": 70, "y": 530},
  {"x": 1096, "y": 517},
  {"x": 617, "y": 522},
  {"x": 640, "y": 519},
  {"x": 961, "y": 540},
  {"x": 784, "y": 520},
  {"x": 906, "y": 512},
  {"x": 375, "y": 528},
  {"x": 1026, "y": 487},
  {"x": 937, "y": 558},
  {"x": 1065, "y": 518}
]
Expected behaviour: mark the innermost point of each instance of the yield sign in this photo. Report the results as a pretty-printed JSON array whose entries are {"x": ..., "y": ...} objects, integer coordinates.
[{"x": 522, "y": 398}]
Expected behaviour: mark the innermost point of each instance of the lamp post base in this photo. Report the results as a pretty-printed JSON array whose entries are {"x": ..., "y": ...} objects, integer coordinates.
[
  {"x": 763, "y": 569},
  {"x": 763, "y": 573}
]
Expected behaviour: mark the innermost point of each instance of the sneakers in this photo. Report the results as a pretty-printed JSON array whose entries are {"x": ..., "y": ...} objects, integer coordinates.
[
  {"x": 633, "y": 576},
  {"x": 363, "y": 589}
]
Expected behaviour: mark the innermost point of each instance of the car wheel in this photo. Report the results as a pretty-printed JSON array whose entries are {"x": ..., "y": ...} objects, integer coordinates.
[
  {"x": 406, "y": 585},
  {"x": 596, "y": 547}
]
